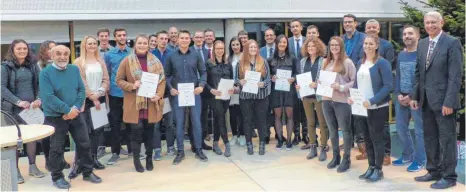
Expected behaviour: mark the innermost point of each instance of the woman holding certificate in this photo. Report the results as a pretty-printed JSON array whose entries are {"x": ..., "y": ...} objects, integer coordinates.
[
  {"x": 141, "y": 112},
  {"x": 375, "y": 82},
  {"x": 253, "y": 76},
  {"x": 283, "y": 96},
  {"x": 95, "y": 78},
  {"x": 219, "y": 72},
  {"x": 313, "y": 52},
  {"x": 20, "y": 91},
  {"x": 336, "y": 78}
]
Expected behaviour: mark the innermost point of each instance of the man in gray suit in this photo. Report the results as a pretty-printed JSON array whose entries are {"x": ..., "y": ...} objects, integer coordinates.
[
  {"x": 437, "y": 84},
  {"x": 294, "y": 47}
]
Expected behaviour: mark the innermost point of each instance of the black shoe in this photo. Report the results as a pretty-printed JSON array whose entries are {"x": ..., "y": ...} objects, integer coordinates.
[
  {"x": 262, "y": 148},
  {"x": 200, "y": 155},
  {"x": 97, "y": 164},
  {"x": 179, "y": 157},
  {"x": 442, "y": 184},
  {"x": 137, "y": 163},
  {"x": 376, "y": 175},
  {"x": 312, "y": 152},
  {"x": 279, "y": 145},
  {"x": 345, "y": 164},
  {"x": 61, "y": 184},
  {"x": 149, "y": 164},
  {"x": 205, "y": 146},
  {"x": 428, "y": 177},
  {"x": 306, "y": 139},
  {"x": 368, "y": 173},
  {"x": 296, "y": 139},
  {"x": 289, "y": 145},
  {"x": 267, "y": 140},
  {"x": 335, "y": 161},
  {"x": 75, "y": 171},
  {"x": 250, "y": 148},
  {"x": 254, "y": 134},
  {"x": 323, "y": 153},
  {"x": 93, "y": 178}
]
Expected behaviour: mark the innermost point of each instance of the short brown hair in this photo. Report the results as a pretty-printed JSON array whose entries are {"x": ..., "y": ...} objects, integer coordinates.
[
  {"x": 312, "y": 27},
  {"x": 416, "y": 29},
  {"x": 317, "y": 43},
  {"x": 103, "y": 30},
  {"x": 242, "y": 32},
  {"x": 117, "y": 30}
]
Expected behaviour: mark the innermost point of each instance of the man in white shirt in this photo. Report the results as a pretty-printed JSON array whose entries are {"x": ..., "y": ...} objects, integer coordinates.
[
  {"x": 268, "y": 50},
  {"x": 209, "y": 37}
]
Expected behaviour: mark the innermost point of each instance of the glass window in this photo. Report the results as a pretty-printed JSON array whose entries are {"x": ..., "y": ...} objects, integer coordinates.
[{"x": 257, "y": 30}]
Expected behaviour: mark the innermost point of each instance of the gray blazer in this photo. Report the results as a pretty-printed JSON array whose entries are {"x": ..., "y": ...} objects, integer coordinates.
[
  {"x": 292, "y": 48},
  {"x": 440, "y": 82}
]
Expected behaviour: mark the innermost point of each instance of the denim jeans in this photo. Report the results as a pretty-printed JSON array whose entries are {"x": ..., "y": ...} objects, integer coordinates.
[
  {"x": 403, "y": 115},
  {"x": 167, "y": 121},
  {"x": 338, "y": 115},
  {"x": 195, "y": 114}
]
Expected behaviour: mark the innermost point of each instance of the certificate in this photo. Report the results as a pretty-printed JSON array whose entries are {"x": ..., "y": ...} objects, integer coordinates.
[
  {"x": 224, "y": 86},
  {"x": 326, "y": 78},
  {"x": 99, "y": 117},
  {"x": 357, "y": 108},
  {"x": 252, "y": 78},
  {"x": 281, "y": 83},
  {"x": 32, "y": 116},
  {"x": 186, "y": 94},
  {"x": 149, "y": 83},
  {"x": 303, "y": 81},
  {"x": 166, "y": 106}
]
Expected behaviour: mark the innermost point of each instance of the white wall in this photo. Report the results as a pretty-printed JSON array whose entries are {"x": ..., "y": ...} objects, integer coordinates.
[
  {"x": 34, "y": 31},
  {"x": 185, "y": 9}
]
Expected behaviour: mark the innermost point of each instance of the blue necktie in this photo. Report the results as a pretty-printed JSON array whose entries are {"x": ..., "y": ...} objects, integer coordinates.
[
  {"x": 297, "y": 48},
  {"x": 270, "y": 52}
]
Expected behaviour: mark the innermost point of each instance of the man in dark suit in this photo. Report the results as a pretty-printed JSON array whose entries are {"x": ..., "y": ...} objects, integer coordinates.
[
  {"x": 294, "y": 47},
  {"x": 205, "y": 96},
  {"x": 437, "y": 84}
]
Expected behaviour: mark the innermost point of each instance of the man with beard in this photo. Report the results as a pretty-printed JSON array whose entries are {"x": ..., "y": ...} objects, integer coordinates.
[
  {"x": 173, "y": 34},
  {"x": 404, "y": 84},
  {"x": 113, "y": 59},
  {"x": 63, "y": 93}
]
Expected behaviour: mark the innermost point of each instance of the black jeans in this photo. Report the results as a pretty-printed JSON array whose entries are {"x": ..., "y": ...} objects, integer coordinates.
[
  {"x": 373, "y": 129},
  {"x": 78, "y": 131},
  {"x": 338, "y": 115},
  {"x": 299, "y": 118},
  {"x": 116, "y": 114},
  {"x": 255, "y": 109},
  {"x": 387, "y": 138},
  {"x": 220, "y": 108},
  {"x": 206, "y": 111},
  {"x": 358, "y": 134},
  {"x": 440, "y": 142},
  {"x": 94, "y": 134},
  {"x": 236, "y": 120},
  {"x": 143, "y": 131}
]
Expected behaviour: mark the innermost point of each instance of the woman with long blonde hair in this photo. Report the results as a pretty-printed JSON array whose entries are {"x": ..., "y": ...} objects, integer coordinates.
[
  {"x": 95, "y": 78},
  {"x": 254, "y": 106},
  {"x": 337, "y": 111}
]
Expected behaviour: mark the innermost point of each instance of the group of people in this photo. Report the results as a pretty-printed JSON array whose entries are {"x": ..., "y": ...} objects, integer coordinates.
[{"x": 426, "y": 87}]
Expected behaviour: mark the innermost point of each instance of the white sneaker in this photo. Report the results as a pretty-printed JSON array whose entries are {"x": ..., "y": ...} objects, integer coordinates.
[
  {"x": 242, "y": 140},
  {"x": 234, "y": 140}
]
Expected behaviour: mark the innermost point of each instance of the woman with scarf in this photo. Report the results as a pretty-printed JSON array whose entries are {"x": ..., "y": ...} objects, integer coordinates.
[{"x": 141, "y": 112}]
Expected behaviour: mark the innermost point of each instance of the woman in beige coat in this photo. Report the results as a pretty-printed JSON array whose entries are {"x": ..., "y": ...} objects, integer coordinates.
[{"x": 141, "y": 112}]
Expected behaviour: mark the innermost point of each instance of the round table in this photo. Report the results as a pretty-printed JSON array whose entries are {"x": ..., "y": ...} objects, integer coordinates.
[{"x": 8, "y": 143}]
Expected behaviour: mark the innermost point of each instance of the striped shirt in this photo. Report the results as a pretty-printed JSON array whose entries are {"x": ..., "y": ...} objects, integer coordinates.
[{"x": 263, "y": 92}]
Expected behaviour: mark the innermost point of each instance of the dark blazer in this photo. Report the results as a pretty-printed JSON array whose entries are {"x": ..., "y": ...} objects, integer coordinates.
[
  {"x": 357, "y": 51},
  {"x": 291, "y": 47},
  {"x": 382, "y": 81},
  {"x": 440, "y": 82},
  {"x": 205, "y": 52}
]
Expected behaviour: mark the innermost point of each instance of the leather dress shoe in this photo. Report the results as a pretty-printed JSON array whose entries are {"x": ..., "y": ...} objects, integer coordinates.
[
  {"x": 93, "y": 178},
  {"x": 442, "y": 184},
  {"x": 428, "y": 177},
  {"x": 61, "y": 184},
  {"x": 201, "y": 156}
]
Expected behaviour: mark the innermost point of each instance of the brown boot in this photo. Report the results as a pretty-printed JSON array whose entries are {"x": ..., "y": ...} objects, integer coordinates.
[
  {"x": 387, "y": 160},
  {"x": 362, "y": 150}
]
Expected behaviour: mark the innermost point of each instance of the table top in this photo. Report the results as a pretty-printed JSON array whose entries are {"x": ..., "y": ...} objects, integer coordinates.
[{"x": 29, "y": 133}]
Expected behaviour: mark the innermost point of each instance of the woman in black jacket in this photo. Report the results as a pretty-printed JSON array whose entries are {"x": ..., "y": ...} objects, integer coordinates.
[
  {"x": 20, "y": 82},
  {"x": 283, "y": 100},
  {"x": 218, "y": 68}
]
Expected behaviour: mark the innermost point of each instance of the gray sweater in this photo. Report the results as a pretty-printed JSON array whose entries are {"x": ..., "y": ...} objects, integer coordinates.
[{"x": 23, "y": 82}]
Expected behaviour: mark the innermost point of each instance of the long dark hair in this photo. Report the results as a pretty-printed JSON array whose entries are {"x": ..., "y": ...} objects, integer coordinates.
[
  {"x": 10, "y": 56},
  {"x": 43, "y": 53},
  {"x": 277, "y": 41},
  {"x": 230, "y": 52}
]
